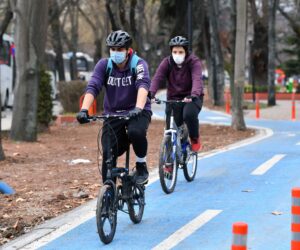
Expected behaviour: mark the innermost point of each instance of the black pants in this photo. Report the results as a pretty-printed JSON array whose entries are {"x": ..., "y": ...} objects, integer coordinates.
[
  {"x": 186, "y": 112},
  {"x": 117, "y": 135}
]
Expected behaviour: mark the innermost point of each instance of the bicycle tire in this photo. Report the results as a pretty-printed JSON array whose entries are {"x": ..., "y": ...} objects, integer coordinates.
[
  {"x": 106, "y": 211},
  {"x": 136, "y": 200},
  {"x": 167, "y": 179},
  {"x": 190, "y": 164}
]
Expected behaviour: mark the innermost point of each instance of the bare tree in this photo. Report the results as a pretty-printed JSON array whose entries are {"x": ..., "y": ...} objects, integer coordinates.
[
  {"x": 7, "y": 18},
  {"x": 56, "y": 38},
  {"x": 90, "y": 13},
  {"x": 238, "y": 122},
  {"x": 272, "y": 52},
  {"x": 260, "y": 43},
  {"x": 121, "y": 18},
  {"x": 31, "y": 17},
  {"x": 232, "y": 43},
  {"x": 216, "y": 54}
]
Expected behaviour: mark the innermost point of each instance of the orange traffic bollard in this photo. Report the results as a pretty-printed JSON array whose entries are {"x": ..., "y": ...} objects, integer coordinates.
[
  {"x": 92, "y": 109},
  {"x": 295, "y": 226},
  {"x": 293, "y": 107},
  {"x": 227, "y": 102},
  {"x": 257, "y": 113},
  {"x": 239, "y": 240}
]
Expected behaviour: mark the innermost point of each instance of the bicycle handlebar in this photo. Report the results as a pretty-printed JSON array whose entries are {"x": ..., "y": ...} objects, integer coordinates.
[
  {"x": 158, "y": 101},
  {"x": 105, "y": 117}
]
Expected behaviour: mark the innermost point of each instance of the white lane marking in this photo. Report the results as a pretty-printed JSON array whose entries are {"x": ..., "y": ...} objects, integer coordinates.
[
  {"x": 215, "y": 118},
  {"x": 291, "y": 135},
  {"x": 263, "y": 168},
  {"x": 187, "y": 230},
  {"x": 298, "y": 144}
]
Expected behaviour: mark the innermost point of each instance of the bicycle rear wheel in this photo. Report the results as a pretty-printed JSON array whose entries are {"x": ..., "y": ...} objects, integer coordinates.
[
  {"x": 136, "y": 204},
  {"x": 106, "y": 214},
  {"x": 190, "y": 164},
  {"x": 167, "y": 166}
]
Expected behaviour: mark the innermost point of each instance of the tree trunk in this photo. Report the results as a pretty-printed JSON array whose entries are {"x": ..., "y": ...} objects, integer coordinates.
[
  {"x": 260, "y": 46},
  {"x": 272, "y": 52},
  {"x": 232, "y": 44},
  {"x": 74, "y": 39},
  {"x": 56, "y": 39},
  {"x": 180, "y": 19},
  {"x": 112, "y": 8},
  {"x": 216, "y": 54},
  {"x": 206, "y": 41},
  {"x": 32, "y": 16},
  {"x": 238, "y": 122},
  {"x": 7, "y": 18}
]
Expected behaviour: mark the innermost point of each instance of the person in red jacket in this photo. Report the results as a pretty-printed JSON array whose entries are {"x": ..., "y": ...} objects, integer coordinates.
[{"x": 183, "y": 72}]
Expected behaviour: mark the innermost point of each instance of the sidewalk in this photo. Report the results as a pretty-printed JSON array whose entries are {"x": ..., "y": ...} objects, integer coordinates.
[
  {"x": 6, "y": 118},
  {"x": 282, "y": 111}
]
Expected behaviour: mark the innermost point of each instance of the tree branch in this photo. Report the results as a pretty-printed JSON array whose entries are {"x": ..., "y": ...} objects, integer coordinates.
[
  {"x": 6, "y": 21},
  {"x": 111, "y": 16},
  {"x": 293, "y": 23},
  {"x": 87, "y": 19},
  {"x": 56, "y": 11}
]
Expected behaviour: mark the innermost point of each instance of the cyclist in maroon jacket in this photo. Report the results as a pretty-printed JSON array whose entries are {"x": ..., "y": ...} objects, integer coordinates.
[{"x": 183, "y": 71}]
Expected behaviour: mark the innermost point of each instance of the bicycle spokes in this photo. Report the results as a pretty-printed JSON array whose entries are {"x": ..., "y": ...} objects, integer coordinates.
[
  {"x": 106, "y": 215},
  {"x": 136, "y": 203},
  {"x": 190, "y": 165},
  {"x": 167, "y": 166}
]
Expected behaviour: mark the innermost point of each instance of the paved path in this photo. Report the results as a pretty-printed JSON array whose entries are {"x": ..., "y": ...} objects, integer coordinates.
[{"x": 246, "y": 182}]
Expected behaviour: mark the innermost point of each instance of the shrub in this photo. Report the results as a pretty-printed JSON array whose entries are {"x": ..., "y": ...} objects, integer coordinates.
[
  {"x": 45, "y": 105},
  {"x": 259, "y": 88},
  {"x": 70, "y": 93}
]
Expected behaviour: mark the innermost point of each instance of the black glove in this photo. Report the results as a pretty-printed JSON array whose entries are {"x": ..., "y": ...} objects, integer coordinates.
[
  {"x": 135, "y": 112},
  {"x": 193, "y": 98},
  {"x": 151, "y": 95},
  {"x": 83, "y": 116}
]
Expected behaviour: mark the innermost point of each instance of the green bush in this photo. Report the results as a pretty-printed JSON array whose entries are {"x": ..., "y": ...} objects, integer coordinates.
[
  {"x": 259, "y": 88},
  {"x": 45, "y": 105},
  {"x": 70, "y": 93}
]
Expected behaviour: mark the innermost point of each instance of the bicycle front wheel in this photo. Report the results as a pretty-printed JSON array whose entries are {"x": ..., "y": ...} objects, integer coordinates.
[
  {"x": 136, "y": 204},
  {"x": 167, "y": 166},
  {"x": 106, "y": 214},
  {"x": 190, "y": 164}
]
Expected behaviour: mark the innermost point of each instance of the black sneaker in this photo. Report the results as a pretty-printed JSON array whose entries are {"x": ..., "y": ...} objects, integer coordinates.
[{"x": 142, "y": 173}]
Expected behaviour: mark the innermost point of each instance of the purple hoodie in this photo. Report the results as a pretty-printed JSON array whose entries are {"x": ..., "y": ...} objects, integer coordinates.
[
  {"x": 121, "y": 87},
  {"x": 182, "y": 82}
]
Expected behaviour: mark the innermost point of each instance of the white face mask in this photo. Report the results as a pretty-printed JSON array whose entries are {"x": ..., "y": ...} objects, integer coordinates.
[{"x": 178, "y": 59}]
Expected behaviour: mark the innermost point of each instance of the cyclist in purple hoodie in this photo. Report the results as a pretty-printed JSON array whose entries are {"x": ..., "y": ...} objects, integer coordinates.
[
  {"x": 126, "y": 92},
  {"x": 184, "y": 74}
]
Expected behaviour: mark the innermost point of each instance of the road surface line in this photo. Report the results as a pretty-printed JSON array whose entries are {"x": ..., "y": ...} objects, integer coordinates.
[
  {"x": 263, "y": 168},
  {"x": 298, "y": 144},
  {"x": 187, "y": 230}
]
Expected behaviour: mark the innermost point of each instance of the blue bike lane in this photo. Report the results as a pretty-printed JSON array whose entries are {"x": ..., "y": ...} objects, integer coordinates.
[{"x": 250, "y": 182}]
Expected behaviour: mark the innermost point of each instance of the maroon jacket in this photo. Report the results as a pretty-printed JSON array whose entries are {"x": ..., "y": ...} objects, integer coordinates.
[{"x": 182, "y": 82}]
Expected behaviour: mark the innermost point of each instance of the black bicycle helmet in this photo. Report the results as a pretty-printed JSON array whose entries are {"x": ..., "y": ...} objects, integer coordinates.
[
  {"x": 179, "y": 41},
  {"x": 118, "y": 39}
]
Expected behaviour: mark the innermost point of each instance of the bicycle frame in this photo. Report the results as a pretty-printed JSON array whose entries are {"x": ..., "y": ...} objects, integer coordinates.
[
  {"x": 113, "y": 172},
  {"x": 173, "y": 130}
]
